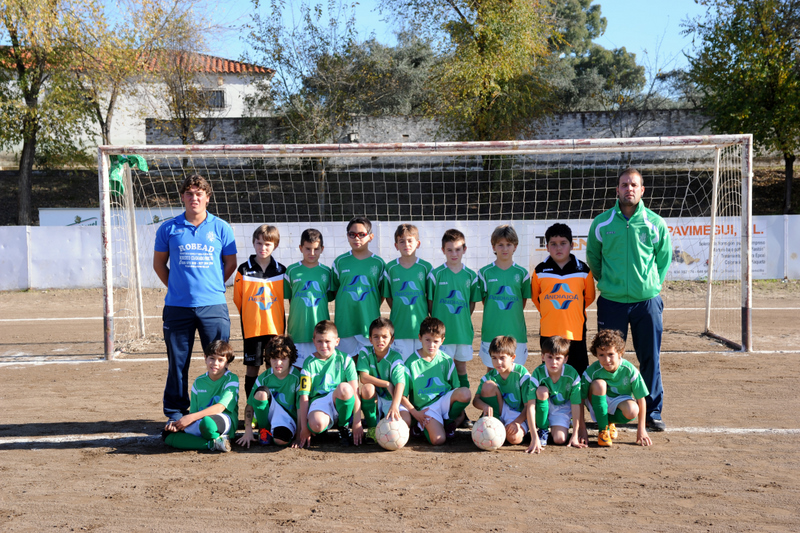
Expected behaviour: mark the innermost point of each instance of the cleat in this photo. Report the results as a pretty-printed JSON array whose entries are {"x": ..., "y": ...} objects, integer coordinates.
[
  {"x": 345, "y": 436},
  {"x": 265, "y": 437},
  {"x": 603, "y": 438},
  {"x": 543, "y": 435},
  {"x": 450, "y": 431},
  {"x": 371, "y": 434},
  {"x": 612, "y": 431},
  {"x": 221, "y": 444},
  {"x": 656, "y": 424},
  {"x": 466, "y": 423},
  {"x": 416, "y": 431}
]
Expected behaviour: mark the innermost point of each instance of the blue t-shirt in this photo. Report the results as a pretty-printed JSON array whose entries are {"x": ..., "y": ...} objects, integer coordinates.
[{"x": 195, "y": 260}]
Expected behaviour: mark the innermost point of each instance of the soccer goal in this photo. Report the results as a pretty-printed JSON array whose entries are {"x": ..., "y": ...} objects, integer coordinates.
[{"x": 701, "y": 185}]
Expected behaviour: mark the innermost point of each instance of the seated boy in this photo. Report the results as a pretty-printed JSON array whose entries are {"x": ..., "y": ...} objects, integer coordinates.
[
  {"x": 615, "y": 389},
  {"x": 273, "y": 399},
  {"x": 375, "y": 368},
  {"x": 214, "y": 406},
  {"x": 435, "y": 399},
  {"x": 502, "y": 389},
  {"x": 555, "y": 398},
  {"x": 328, "y": 391}
]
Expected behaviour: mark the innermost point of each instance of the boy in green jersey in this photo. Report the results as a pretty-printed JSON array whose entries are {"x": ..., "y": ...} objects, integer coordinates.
[
  {"x": 357, "y": 278},
  {"x": 435, "y": 399},
  {"x": 308, "y": 289},
  {"x": 505, "y": 288},
  {"x": 615, "y": 389},
  {"x": 452, "y": 293},
  {"x": 376, "y": 367},
  {"x": 502, "y": 390},
  {"x": 328, "y": 391},
  {"x": 554, "y": 398},
  {"x": 404, "y": 288},
  {"x": 273, "y": 399},
  {"x": 214, "y": 406}
]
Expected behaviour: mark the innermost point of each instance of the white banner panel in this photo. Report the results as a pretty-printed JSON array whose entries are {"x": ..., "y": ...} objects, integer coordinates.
[{"x": 14, "y": 258}]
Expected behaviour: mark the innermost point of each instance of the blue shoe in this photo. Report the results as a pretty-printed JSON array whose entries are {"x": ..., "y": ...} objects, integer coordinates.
[{"x": 543, "y": 436}]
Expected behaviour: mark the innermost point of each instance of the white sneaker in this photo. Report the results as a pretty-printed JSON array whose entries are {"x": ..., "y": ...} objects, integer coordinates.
[{"x": 222, "y": 444}]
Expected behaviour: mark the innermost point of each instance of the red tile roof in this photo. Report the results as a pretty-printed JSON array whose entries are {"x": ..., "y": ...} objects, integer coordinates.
[{"x": 214, "y": 65}]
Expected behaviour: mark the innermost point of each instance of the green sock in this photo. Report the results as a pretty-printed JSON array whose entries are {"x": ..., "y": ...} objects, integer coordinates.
[
  {"x": 261, "y": 410},
  {"x": 208, "y": 428},
  {"x": 542, "y": 413},
  {"x": 494, "y": 403},
  {"x": 185, "y": 441},
  {"x": 456, "y": 409},
  {"x": 619, "y": 418},
  {"x": 463, "y": 380},
  {"x": 370, "y": 408},
  {"x": 344, "y": 408},
  {"x": 600, "y": 406}
]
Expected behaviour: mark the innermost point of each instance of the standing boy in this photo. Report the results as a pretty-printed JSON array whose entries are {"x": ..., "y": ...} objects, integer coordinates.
[
  {"x": 308, "y": 290},
  {"x": 562, "y": 287},
  {"x": 505, "y": 288},
  {"x": 404, "y": 287},
  {"x": 258, "y": 295},
  {"x": 357, "y": 277}
]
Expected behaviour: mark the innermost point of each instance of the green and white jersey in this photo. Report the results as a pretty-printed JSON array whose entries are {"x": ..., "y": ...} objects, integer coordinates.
[
  {"x": 624, "y": 381},
  {"x": 427, "y": 381},
  {"x": 368, "y": 362},
  {"x": 566, "y": 390},
  {"x": 503, "y": 292},
  {"x": 307, "y": 290},
  {"x": 207, "y": 392},
  {"x": 407, "y": 289},
  {"x": 319, "y": 377},
  {"x": 513, "y": 388},
  {"x": 357, "y": 283},
  {"x": 451, "y": 295},
  {"x": 284, "y": 391}
]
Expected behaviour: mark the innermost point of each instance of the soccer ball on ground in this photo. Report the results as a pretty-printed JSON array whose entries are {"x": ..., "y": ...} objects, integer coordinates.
[
  {"x": 488, "y": 433},
  {"x": 391, "y": 434}
]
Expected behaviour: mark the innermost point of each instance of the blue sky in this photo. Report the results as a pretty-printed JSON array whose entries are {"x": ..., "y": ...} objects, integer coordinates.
[{"x": 650, "y": 28}]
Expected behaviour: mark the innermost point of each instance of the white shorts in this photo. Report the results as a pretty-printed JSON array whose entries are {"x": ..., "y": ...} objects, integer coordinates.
[
  {"x": 352, "y": 345},
  {"x": 406, "y": 347},
  {"x": 325, "y": 404},
  {"x": 613, "y": 403},
  {"x": 559, "y": 415},
  {"x": 194, "y": 427},
  {"x": 459, "y": 352},
  {"x": 278, "y": 417},
  {"x": 440, "y": 409},
  {"x": 522, "y": 354},
  {"x": 384, "y": 405},
  {"x": 304, "y": 351},
  {"x": 509, "y": 415}
]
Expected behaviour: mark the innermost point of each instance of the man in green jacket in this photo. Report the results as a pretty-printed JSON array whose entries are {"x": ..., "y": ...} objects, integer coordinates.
[{"x": 629, "y": 252}]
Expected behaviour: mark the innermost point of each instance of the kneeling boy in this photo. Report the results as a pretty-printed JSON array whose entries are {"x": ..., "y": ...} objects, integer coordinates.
[
  {"x": 328, "y": 391},
  {"x": 503, "y": 388},
  {"x": 213, "y": 408},
  {"x": 615, "y": 389},
  {"x": 273, "y": 399}
]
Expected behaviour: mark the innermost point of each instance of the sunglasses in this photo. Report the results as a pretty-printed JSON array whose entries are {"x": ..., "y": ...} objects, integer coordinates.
[{"x": 359, "y": 235}]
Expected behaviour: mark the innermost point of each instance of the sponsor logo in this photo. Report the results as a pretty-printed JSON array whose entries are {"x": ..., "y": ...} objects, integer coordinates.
[
  {"x": 409, "y": 301},
  {"x": 359, "y": 288},
  {"x": 213, "y": 401},
  {"x": 454, "y": 302},
  {"x": 510, "y": 398},
  {"x": 504, "y": 298},
  {"x": 210, "y": 236},
  {"x": 196, "y": 247},
  {"x": 263, "y": 299},
  {"x": 561, "y": 296}
]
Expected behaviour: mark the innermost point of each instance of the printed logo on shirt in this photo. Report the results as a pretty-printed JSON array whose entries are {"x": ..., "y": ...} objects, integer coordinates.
[
  {"x": 561, "y": 296},
  {"x": 210, "y": 236},
  {"x": 263, "y": 299},
  {"x": 454, "y": 302},
  {"x": 504, "y": 298},
  {"x": 359, "y": 288}
]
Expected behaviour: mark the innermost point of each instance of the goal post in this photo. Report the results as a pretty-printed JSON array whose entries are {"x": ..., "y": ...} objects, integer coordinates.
[{"x": 701, "y": 185}]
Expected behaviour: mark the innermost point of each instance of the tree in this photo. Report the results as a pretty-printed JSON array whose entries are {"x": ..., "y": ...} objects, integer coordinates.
[
  {"x": 748, "y": 71},
  {"x": 41, "y": 106}
]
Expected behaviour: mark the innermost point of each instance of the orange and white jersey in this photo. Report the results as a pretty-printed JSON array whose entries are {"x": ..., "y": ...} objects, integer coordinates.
[
  {"x": 562, "y": 295},
  {"x": 258, "y": 295}
]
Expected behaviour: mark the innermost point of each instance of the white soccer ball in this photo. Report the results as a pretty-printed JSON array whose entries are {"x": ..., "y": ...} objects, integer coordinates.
[
  {"x": 488, "y": 433},
  {"x": 391, "y": 434}
]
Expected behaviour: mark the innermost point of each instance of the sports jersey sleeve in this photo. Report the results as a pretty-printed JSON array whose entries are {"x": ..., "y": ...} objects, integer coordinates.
[
  {"x": 287, "y": 286},
  {"x": 525, "y": 287},
  {"x": 535, "y": 290},
  {"x": 638, "y": 387},
  {"x": 589, "y": 291},
  {"x": 162, "y": 239},
  {"x": 349, "y": 370},
  {"x": 476, "y": 295},
  {"x": 228, "y": 239},
  {"x": 453, "y": 375},
  {"x": 363, "y": 364},
  {"x": 398, "y": 374},
  {"x": 663, "y": 251},
  {"x": 484, "y": 378},
  {"x": 230, "y": 394},
  {"x": 575, "y": 392},
  {"x": 594, "y": 251},
  {"x": 306, "y": 376},
  {"x": 237, "y": 289}
]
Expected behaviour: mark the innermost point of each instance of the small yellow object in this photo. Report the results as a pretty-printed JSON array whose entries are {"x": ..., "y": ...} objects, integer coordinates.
[
  {"x": 603, "y": 438},
  {"x": 612, "y": 431}
]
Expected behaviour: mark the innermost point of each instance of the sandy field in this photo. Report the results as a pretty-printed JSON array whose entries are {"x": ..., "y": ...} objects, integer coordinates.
[{"x": 79, "y": 449}]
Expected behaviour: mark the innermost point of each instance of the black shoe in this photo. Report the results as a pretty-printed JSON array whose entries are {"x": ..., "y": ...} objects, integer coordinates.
[
  {"x": 450, "y": 431},
  {"x": 466, "y": 424},
  {"x": 345, "y": 436},
  {"x": 656, "y": 424}
]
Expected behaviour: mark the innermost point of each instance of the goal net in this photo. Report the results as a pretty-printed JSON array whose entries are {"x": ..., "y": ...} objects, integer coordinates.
[{"x": 700, "y": 185}]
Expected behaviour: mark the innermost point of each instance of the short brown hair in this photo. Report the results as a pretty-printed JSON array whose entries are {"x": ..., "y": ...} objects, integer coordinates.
[
  {"x": 364, "y": 221},
  {"x": 432, "y": 326},
  {"x": 222, "y": 348},
  {"x": 406, "y": 229},
  {"x": 507, "y": 232},
  {"x": 195, "y": 180},
  {"x": 503, "y": 344},
  {"x": 453, "y": 235},
  {"x": 381, "y": 322},
  {"x": 311, "y": 235},
  {"x": 281, "y": 346},
  {"x": 608, "y": 338},
  {"x": 267, "y": 233},
  {"x": 555, "y": 345},
  {"x": 325, "y": 326},
  {"x": 632, "y": 171}
]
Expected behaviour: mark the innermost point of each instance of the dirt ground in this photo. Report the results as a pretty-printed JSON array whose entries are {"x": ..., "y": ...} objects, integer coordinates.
[{"x": 78, "y": 447}]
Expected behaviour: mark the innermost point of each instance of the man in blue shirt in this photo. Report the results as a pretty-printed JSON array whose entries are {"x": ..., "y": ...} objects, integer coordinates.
[{"x": 195, "y": 253}]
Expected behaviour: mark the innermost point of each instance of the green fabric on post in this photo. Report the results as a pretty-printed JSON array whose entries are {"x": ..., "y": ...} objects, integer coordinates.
[{"x": 115, "y": 176}]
